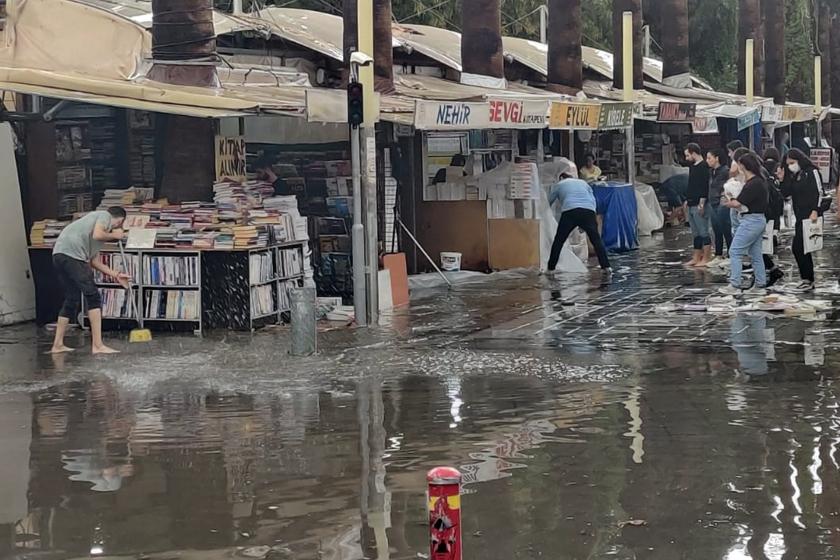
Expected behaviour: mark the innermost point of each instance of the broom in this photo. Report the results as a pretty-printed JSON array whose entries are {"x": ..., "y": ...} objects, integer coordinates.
[{"x": 136, "y": 335}]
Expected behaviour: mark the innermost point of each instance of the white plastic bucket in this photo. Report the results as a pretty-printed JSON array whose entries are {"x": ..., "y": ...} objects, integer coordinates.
[{"x": 451, "y": 262}]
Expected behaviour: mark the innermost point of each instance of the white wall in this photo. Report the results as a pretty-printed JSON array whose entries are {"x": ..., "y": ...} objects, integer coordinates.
[{"x": 17, "y": 290}]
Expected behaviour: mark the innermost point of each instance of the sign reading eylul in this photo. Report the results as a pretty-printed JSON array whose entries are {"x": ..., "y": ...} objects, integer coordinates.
[
  {"x": 670, "y": 111},
  {"x": 574, "y": 116}
]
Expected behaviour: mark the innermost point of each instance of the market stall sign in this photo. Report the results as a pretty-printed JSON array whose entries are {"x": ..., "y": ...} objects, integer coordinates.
[
  {"x": 797, "y": 114},
  {"x": 230, "y": 158},
  {"x": 518, "y": 114},
  {"x": 822, "y": 159},
  {"x": 615, "y": 115},
  {"x": 451, "y": 115},
  {"x": 670, "y": 111},
  {"x": 576, "y": 116},
  {"x": 705, "y": 125},
  {"x": 773, "y": 113},
  {"x": 750, "y": 119}
]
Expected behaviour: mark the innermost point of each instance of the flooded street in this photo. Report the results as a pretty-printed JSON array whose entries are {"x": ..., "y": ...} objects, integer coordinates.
[{"x": 590, "y": 421}]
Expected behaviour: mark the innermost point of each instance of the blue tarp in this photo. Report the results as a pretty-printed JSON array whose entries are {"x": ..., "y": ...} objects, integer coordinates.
[{"x": 617, "y": 204}]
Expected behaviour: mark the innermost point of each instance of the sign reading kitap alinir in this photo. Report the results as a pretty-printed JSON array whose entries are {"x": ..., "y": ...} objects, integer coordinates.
[{"x": 495, "y": 113}]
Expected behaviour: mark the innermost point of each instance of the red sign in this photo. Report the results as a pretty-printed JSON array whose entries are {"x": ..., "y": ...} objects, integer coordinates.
[
  {"x": 676, "y": 112},
  {"x": 518, "y": 114}
]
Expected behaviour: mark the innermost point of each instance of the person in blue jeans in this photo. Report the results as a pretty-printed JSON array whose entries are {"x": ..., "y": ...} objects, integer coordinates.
[
  {"x": 752, "y": 203},
  {"x": 698, "y": 214},
  {"x": 721, "y": 222}
]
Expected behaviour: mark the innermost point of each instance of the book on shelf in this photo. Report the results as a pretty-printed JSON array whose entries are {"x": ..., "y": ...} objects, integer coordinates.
[
  {"x": 262, "y": 300},
  {"x": 284, "y": 300},
  {"x": 115, "y": 261},
  {"x": 261, "y": 267},
  {"x": 171, "y": 270},
  {"x": 115, "y": 303},
  {"x": 290, "y": 263},
  {"x": 172, "y": 304}
]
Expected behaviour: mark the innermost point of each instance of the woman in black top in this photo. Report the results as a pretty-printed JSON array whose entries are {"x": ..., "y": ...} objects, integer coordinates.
[
  {"x": 775, "y": 209},
  {"x": 752, "y": 202},
  {"x": 803, "y": 184},
  {"x": 721, "y": 222}
]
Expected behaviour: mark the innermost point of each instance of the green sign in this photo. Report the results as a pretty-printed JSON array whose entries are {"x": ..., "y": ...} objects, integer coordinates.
[{"x": 615, "y": 115}]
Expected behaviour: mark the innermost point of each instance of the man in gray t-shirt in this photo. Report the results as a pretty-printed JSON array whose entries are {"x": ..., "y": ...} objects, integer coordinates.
[{"x": 75, "y": 257}]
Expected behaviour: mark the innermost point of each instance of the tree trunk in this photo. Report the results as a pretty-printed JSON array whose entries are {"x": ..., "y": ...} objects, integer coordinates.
[
  {"x": 565, "y": 64},
  {"x": 383, "y": 50},
  {"x": 619, "y": 7},
  {"x": 824, "y": 38},
  {"x": 182, "y": 30},
  {"x": 835, "y": 80},
  {"x": 481, "y": 38},
  {"x": 749, "y": 24},
  {"x": 774, "y": 49},
  {"x": 675, "y": 53}
]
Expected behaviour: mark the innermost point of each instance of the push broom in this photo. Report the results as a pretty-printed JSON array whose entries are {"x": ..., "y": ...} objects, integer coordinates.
[{"x": 139, "y": 334}]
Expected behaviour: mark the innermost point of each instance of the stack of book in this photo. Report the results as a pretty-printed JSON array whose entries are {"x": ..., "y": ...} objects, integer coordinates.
[
  {"x": 45, "y": 232},
  {"x": 261, "y": 267},
  {"x": 115, "y": 303},
  {"x": 250, "y": 237},
  {"x": 262, "y": 301},
  {"x": 170, "y": 271}
]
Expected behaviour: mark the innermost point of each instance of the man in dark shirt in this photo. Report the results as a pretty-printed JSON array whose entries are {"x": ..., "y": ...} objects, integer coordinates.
[
  {"x": 265, "y": 172},
  {"x": 698, "y": 218}
]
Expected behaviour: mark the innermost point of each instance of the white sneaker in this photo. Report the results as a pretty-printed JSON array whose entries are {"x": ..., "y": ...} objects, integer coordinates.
[
  {"x": 756, "y": 291},
  {"x": 802, "y": 288},
  {"x": 730, "y": 290}
]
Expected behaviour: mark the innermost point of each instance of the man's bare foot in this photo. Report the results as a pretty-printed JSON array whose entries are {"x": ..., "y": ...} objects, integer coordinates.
[
  {"x": 104, "y": 350},
  {"x": 60, "y": 349},
  {"x": 692, "y": 262}
]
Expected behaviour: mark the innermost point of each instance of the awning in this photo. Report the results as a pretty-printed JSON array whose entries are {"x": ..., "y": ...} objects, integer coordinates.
[{"x": 122, "y": 102}]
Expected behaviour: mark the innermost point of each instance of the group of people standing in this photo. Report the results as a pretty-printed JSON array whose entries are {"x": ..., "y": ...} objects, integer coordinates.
[{"x": 733, "y": 195}]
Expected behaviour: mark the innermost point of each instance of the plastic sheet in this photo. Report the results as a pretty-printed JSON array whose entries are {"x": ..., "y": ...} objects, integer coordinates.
[
  {"x": 650, "y": 215},
  {"x": 617, "y": 204}
]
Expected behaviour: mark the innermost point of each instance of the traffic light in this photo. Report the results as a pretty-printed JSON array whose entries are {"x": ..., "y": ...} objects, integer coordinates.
[{"x": 355, "y": 104}]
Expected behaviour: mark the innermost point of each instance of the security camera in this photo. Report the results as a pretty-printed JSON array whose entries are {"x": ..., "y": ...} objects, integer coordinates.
[{"x": 361, "y": 59}]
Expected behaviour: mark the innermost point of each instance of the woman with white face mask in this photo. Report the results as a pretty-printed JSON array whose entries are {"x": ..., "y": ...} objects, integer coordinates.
[{"x": 804, "y": 185}]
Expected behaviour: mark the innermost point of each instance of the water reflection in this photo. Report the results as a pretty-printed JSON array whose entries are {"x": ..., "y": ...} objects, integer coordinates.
[{"x": 718, "y": 468}]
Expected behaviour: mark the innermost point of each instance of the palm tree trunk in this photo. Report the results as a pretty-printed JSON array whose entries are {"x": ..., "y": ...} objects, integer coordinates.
[
  {"x": 675, "y": 53},
  {"x": 565, "y": 64},
  {"x": 481, "y": 38},
  {"x": 774, "y": 48},
  {"x": 749, "y": 24},
  {"x": 383, "y": 50},
  {"x": 619, "y": 7}
]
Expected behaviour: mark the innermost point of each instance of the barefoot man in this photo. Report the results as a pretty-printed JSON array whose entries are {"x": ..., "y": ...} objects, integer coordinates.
[{"x": 75, "y": 256}]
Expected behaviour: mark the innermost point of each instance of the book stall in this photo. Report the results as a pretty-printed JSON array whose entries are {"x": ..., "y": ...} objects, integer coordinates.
[
  {"x": 229, "y": 263},
  {"x": 479, "y": 193}
]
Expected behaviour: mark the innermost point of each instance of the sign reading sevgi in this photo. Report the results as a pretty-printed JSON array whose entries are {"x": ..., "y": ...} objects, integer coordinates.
[{"x": 506, "y": 113}]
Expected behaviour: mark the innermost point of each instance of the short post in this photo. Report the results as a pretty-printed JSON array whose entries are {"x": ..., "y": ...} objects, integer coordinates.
[
  {"x": 304, "y": 329},
  {"x": 444, "y": 514}
]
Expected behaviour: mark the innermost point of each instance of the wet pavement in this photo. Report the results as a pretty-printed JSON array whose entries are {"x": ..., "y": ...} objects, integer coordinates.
[{"x": 588, "y": 424}]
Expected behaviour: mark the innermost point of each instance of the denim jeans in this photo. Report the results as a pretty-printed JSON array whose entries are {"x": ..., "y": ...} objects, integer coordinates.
[
  {"x": 699, "y": 226},
  {"x": 735, "y": 220},
  {"x": 747, "y": 241},
  {"x": 722, "y": 225}
]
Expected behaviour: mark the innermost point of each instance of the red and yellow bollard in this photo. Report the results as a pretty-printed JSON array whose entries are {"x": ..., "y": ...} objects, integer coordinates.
[{"x": 444, "y": 513}]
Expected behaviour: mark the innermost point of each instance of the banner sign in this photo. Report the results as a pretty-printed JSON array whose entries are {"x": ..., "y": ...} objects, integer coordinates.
[
  {"x": 773, "y": 113},
  {"x": 230, "y": 158},
  {"x": 797, "y": 114},
  {"x": 748, "y": 120},
  {"x": 705, "y": 125},
  {"x": 451, "y": 115},
  {"x": 822, "y": 159},
  {"x": 509, "y": 113},
  {"x": 577, "y": 116},
  {"x": 676, "y": 112},
  {"x": 615, "y": 115}
]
